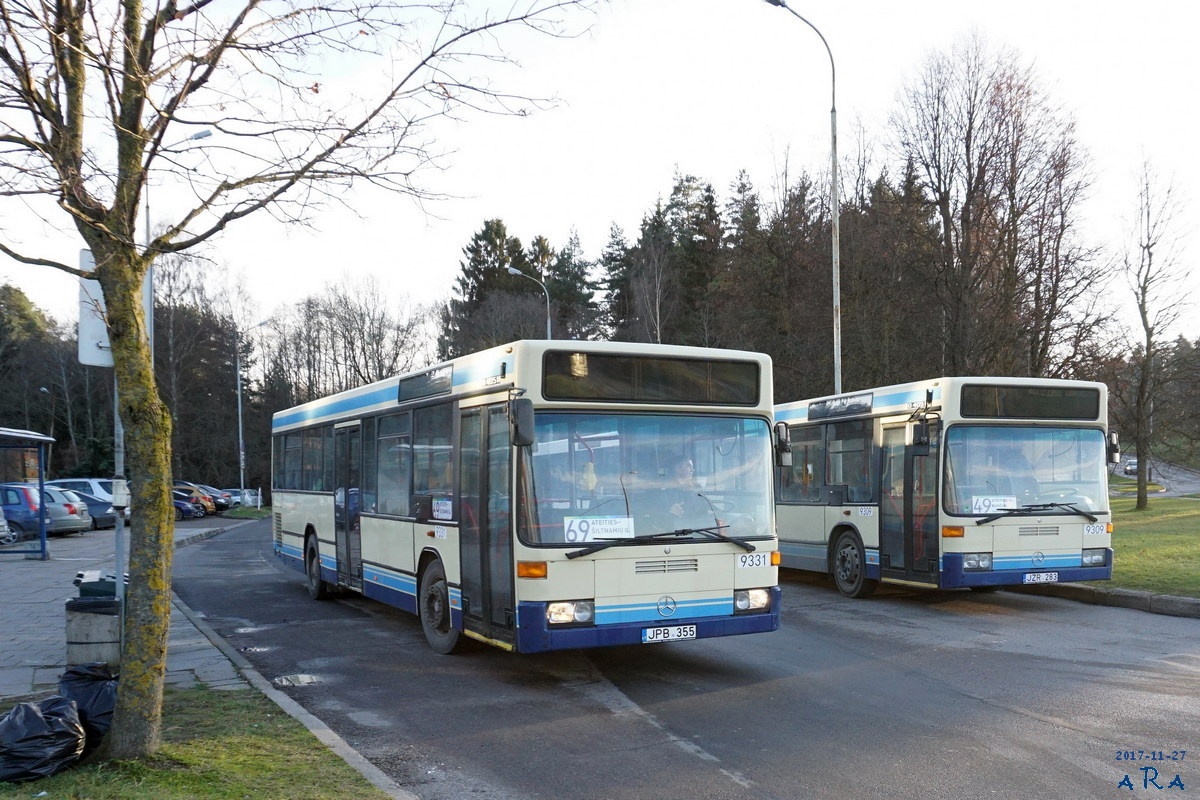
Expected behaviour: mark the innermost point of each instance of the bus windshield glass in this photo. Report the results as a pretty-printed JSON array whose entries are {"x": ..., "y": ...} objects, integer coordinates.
[
  {"x": 593, "y": 477},
  {"x": 994, "y": 468}
]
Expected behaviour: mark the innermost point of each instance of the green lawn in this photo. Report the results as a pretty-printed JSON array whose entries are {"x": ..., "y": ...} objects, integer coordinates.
[
  {"x": 1157, "y": 550},
  {"x": 217, "y": 745}
]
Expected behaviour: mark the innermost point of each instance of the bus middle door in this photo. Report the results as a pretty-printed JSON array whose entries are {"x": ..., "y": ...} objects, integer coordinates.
[
  {"x": 485, "y": 538},
  {"x": 347, "y": 504},
  {"x": 908, "y": 540}
]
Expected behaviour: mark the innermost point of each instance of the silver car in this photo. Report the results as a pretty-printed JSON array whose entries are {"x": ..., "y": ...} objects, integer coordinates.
[
  {"x": 65, "y": 512},
  {"x": 7, "y": 534}
]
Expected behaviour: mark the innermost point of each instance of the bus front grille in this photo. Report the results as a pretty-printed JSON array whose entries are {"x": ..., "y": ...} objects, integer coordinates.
[
  {"x": 1038, "y": 530},
  {"x": 662, "y": 566}
]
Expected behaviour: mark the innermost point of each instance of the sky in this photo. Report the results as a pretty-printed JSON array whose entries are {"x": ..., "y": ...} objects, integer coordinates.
[{"x": 708, "y": 88}]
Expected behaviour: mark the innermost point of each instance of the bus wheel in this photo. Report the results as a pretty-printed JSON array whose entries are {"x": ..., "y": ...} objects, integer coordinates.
[
  {"x": 433, "y": 605},
  {"x": 317, "y": 588},
  {"x": 850, "y": 567}
]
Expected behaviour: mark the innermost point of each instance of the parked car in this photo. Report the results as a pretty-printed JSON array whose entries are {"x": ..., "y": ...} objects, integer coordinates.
[
  {"x": 245, "y": 497},
  {"x": 220, "y": 497},
  {"x": 68, "y": 513},
  {"x": 1130, "y": 467},
  {"x": 22, "y": 505},
  {"x": 185, "y": 508},
  {"x": 102, "y": 511},
  {"x": 198, "y": 495},
  {"x": 7, "y": 534},
  {"x": 97, "y": 487}
]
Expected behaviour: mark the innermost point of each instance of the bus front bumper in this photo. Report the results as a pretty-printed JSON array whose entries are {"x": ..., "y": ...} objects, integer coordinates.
[
  {"x": 954, "y": 576},
  {"x": 535, "y": 634}
]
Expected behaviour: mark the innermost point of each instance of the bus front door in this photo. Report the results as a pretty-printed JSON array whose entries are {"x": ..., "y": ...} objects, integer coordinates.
[
  {"x": 908, "y": 536},
  {"x": 347, "y": 504},
  {"x": 485, "y": 533}
]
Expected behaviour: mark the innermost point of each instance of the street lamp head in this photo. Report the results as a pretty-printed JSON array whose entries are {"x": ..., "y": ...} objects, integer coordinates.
[
  {"x": 779, "y": 3},
  {"x": 204, "y": 134},
  {"x": 515, "y": 271}
]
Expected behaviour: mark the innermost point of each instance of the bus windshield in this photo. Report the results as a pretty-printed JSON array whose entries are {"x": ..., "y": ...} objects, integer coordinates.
[
  {"x": 993, "y": 468},
  {"x": 593, "y": 477}
]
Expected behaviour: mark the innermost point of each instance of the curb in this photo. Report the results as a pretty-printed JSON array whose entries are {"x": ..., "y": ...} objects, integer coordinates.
[
  {"x": 319, "y": 729},
  {"x": 1169, "y": 605}
]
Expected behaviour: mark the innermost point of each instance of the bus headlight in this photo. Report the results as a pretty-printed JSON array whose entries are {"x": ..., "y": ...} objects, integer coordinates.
[
  {"x": 1093, "y": 558},
  {"x": 977, "y": 560},
  {"x": 751, "y": 599},
  {"x": 571, "y": 612}
]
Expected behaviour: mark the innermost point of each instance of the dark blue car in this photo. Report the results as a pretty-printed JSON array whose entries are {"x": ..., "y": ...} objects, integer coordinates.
[
  {"x": 184, "y": 507},
  {"x": 103, "y": 514}
]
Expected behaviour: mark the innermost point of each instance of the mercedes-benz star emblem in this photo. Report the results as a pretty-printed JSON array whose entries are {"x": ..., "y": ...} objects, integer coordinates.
[
  {"x": 666, "y": 605},
  {"x": 1039, "y": 558}
]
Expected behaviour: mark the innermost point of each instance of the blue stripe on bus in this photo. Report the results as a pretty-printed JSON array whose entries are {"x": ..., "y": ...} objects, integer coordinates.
[
  {"x": 396, "y": 581},
  {"x": 648, "y": 612},
  {"x": 1027, "y": 562},
  {"x": 465, "y": 373},
  {"x": 336, "y": 406}
]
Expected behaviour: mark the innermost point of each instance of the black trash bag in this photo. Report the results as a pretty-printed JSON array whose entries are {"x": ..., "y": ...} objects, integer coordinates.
[
  {"x": 38, "y": 740},
  {"x": 94, "y": 689}
]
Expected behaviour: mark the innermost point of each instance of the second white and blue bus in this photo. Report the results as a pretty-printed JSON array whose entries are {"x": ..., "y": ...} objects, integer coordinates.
[{"x": 948, "y": 483}]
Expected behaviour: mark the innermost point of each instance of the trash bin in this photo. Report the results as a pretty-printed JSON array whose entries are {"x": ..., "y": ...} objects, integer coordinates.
[
  {"x": 93, "y": 583},
  {"x": 94, "y": 631}
]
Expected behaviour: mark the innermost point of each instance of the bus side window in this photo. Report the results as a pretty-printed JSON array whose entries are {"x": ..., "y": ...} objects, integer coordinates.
[{"x": 801, "y": 483}]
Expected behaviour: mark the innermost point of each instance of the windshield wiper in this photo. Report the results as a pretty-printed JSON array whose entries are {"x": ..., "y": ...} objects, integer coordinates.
[
  {"x": 1034, "y": 507},
  {"x": 713, "y": 532}
]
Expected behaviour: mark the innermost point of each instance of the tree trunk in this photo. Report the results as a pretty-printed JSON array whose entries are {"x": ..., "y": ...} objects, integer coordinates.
[{"x": 137, "y": 718}]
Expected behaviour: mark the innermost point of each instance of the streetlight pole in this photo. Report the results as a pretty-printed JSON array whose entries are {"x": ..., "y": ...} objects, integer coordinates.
[
  {"x": 835, "y": 209},
  {"x": 237, "y": 368},
  {"x": 515, "y": 271}
]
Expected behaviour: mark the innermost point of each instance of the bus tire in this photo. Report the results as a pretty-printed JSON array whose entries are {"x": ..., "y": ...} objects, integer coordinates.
[
  {"x": 317, "y": 588},
  {"x": 849, "y": 566},
  {"x": 433, "y": 606}
]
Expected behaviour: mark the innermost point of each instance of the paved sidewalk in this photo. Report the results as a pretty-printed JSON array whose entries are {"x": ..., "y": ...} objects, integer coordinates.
[{"x": 33, "y": 595}]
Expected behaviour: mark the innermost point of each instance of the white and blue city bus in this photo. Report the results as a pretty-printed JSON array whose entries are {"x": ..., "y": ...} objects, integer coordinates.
[
  {"x": 946, "y": 483},
  {"x": 528, "y": 495}
]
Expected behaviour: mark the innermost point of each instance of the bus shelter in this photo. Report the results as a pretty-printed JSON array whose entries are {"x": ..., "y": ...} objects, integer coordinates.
[{"x": 23, "y": 460}]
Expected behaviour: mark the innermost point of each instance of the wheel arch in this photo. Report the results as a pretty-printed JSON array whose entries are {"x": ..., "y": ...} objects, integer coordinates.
[{"x": 834, "y": 535}]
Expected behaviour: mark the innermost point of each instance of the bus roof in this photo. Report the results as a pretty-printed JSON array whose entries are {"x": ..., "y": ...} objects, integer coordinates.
[
  {"x": 935, "y": 393},
  {"x": 513, "y": 365}
]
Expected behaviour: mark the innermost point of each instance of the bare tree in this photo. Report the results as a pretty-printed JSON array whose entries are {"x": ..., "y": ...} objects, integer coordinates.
[
  {"x": 308, "y": 100},
  {"x": 1005, "y": 177},
  {"x": 374, "y": 340},
  {"x": 1157, "y": 278}
]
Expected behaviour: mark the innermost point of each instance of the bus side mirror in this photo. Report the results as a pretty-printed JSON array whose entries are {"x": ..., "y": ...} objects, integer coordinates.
[
  {"x": 521, "y": 415},
  {"x": 783, "y": 445},
  {"x": 1114, "y": 448}
]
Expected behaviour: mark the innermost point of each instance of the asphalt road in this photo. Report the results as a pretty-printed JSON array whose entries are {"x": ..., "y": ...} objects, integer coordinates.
[
  {"x": 1174, "y": 479},
  {"x": 922, "y": 694}
]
